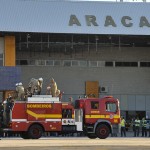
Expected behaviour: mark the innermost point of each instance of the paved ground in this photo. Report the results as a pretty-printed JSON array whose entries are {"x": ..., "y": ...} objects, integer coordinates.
[
  {"x": 80, "y": 143},
  {"x": 69, "y": 143}
]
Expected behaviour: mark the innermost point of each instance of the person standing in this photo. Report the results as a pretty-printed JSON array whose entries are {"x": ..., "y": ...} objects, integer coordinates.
[
  {"x": 35, "y": 86},
  {"x": 148, "y": 127},
  {"x": 40, "y": 83},
  {"x": 123, "y": 128},
  {"x": 53, "y": 85},
  {"x": 137, "y": 127},
  {"x": 9, "y": 105},
  {"x": 20, "y": 91},
  {"x": 1, "y": 120},
  {"x": 61, "y": 95},
  {"x": 48, "y": 90},
  {"x": 133, "y": 124},
  {"x": 144, "y": 124}
]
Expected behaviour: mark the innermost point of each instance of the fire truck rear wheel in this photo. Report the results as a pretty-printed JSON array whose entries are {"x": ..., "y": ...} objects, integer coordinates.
[
  {"x": 35, "y": 131},
  {"x": 102, "y": 131},
  {"x": 91, "y": 136}
]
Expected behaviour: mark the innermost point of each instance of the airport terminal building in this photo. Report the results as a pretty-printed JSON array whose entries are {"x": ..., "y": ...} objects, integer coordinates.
[{"x": 105, "y": 45}]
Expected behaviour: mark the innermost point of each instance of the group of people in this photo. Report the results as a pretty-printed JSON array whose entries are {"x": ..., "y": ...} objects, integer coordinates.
[
  {"x": 5, "y": 108},
  {"x": 137, "y": 125},
  {"x": 35, "y": 88}
]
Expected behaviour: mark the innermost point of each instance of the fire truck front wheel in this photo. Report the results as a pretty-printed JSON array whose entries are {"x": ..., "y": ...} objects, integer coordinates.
[
  {"x": 102, "y": 131},
  {"x": 91, "y": 136},
  {"x": 35, "y": 131}
]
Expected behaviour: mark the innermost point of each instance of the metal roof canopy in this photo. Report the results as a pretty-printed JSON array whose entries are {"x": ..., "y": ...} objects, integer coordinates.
[{"x": 54, "y": 17}]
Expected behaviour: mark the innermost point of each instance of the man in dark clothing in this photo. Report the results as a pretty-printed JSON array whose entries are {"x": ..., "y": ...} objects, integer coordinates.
[
  {"x": 144, "y": 130},
  {"x": 9, "y": 105},
  {"x": 1, "y": 118},
  {"x": 148, "y": 127}
]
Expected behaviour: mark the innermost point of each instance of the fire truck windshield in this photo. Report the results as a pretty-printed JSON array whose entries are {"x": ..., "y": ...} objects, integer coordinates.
[{"x": 111, "y": 107}]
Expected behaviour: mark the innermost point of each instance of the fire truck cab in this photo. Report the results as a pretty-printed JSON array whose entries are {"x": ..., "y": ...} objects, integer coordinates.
[
  {"x": 100, "y": 116},
  {"x": 43, "y": 113}
]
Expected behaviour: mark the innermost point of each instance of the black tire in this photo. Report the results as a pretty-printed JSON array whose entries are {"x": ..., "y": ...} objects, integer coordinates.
[
  {"x": 102, "y": 131},
  {"x": 35, "y": 132},
  {"x": 91, "y": 135},
  {"x": 24, "y": 135}
]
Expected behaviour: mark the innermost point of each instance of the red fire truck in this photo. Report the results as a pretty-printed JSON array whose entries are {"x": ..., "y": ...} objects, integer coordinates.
[{"x": 96, "y": 117}]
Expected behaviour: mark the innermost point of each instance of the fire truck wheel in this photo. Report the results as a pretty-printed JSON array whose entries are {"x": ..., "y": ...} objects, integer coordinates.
[
  {"x": 102, "y": 131},
  {"x": 35, "y": 131},
  {"x": 91, "y": 136},
  {"x": 24, "y": 135}
]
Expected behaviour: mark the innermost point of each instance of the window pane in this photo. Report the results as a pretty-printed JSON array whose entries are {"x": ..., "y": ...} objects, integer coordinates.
[
  {"x": 111, "y": 107},
  {"x": 94, "y": 105}
]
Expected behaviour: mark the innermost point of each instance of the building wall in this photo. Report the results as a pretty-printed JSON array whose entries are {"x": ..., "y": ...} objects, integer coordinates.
[
  {"x": 72, "y": 80},
  {"x": 129, "y": 84},
  {"x": 102, "y": 54}
]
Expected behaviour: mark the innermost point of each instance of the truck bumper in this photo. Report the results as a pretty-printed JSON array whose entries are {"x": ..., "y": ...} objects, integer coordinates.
[{"x": 6, "y": 129}]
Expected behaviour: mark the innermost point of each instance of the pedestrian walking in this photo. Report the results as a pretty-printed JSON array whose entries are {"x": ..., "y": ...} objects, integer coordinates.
[
  {"x": 144, "y": 124},
  {"x": 123, "y": 128},
  {"x": 137, "y": 127}
]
